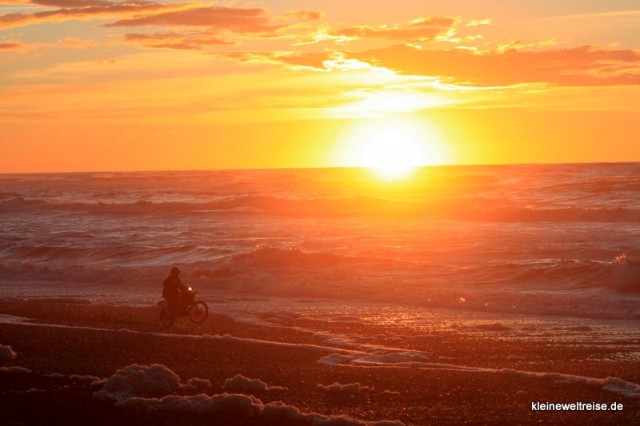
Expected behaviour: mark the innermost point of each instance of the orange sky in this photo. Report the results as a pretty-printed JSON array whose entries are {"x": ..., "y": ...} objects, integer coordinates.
[{"x": 105, "y": 85}]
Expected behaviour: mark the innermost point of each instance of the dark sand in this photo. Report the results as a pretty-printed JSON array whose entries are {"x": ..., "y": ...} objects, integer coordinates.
[{"x": 415, "y": 396}]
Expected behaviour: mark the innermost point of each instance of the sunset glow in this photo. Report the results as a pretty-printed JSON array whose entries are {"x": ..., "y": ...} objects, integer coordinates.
[
  {"x": 296, "y": 213},
  {"x": 391, "y": 148},
  {"x": 111, "y": 85}
]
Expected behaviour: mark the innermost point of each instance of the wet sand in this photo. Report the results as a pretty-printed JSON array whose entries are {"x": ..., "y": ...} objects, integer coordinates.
[{"x": 67, "y": 350}]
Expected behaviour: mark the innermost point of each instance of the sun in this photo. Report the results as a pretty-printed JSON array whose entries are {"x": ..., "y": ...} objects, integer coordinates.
[
  {"x": 391, "y": 149},
  {"x": 391, "y": 157}
]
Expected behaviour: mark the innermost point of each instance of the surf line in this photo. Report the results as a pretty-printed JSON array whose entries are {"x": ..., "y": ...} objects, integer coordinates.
[
  {"x": 611, "y": 384},
  {"x": 226, "y": 337}
]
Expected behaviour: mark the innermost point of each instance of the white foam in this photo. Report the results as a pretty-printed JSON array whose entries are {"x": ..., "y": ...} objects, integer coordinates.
[
  {"x": 336, "y": 359},
  {"x": 142, "y": 380},
  {"x": 240, "y": 383},
  {"x": 20, "y": 370},
  {"x": 350, "y": 388},
  {"x": 133, "y": 385},
  {"x": 11, "y": 319},
  {"x": 612, "y": 384},
  {"x": 240, "y": 406},
  {"x": 7, "y": 352},
  {"x": 196, "y": 383}
]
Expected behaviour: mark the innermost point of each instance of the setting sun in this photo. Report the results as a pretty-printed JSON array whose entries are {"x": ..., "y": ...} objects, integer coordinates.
[
  {"x": 391, "y": 148},
  {"x": 391, "y": 159}
]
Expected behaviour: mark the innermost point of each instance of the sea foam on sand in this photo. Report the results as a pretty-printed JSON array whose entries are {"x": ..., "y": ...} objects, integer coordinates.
[
  {"x": 7, "y": 352},
  {"x": 153, "y": 387}
]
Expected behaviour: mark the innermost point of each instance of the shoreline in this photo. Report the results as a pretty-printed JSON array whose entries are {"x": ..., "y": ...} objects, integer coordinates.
[{"x": 453, "y": 377}]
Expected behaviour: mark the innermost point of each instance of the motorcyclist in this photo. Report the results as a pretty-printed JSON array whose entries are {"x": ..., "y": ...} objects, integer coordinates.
[{"x": 173, "y": 290}]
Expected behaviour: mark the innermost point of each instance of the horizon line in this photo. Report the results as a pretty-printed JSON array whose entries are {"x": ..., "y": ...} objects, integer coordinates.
[{"x": 309, "y": 168}]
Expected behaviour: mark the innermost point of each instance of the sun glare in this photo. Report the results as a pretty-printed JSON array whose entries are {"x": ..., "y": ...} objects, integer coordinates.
[
  {"x": 391, "y": 158},
  {"x": 391, "y": 149}
]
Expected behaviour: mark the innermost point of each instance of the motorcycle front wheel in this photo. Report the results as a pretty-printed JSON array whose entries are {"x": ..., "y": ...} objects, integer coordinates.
[{"x": 198, "y": 312}]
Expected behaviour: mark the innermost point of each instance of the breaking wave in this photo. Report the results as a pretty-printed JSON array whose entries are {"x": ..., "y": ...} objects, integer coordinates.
[{"x": 483, "y": 210}]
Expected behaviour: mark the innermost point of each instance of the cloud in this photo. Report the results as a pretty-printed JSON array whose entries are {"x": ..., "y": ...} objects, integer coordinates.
[
  {"x": 423, "y": 29},
  {"x": 85, "y": 12},
  {"x": 316, "y": 61},
  {"x": 10, "y": 45},
  {"x": 219, "y": 18},
  {"x": 478, "y": 22},
  {"x": 304, "y": 15},
  {"x": 76, "y": 43},
  {"x": 173, "y": 40},
  {"x": 508, "y": 65},
  {"x": 579, "y": 66},
  {"x": 76, "y": 3},
  {"x": 608, "y": 14}
]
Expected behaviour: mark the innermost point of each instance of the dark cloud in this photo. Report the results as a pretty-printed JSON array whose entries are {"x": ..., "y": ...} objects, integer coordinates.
[
  {"x": 85, "y": 12},
  {"x": 10, "y": 45},
  {"x": 75, "y": 3},
  {"x": 218, "y": 18}
]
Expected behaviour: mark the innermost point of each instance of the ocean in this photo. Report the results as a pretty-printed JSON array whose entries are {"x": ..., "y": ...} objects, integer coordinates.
[{"x": 507, "y": 244}]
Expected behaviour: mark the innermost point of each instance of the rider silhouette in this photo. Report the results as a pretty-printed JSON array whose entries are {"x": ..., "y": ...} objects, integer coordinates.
[{"x": 173, "y": 289}]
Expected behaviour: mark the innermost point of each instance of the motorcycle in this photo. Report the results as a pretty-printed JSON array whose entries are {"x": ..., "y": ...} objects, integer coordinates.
[{"x": 197, "y": 311}]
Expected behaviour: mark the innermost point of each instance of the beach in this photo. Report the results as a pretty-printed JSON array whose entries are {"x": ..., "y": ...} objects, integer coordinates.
[{"x": 67, "y": 352}]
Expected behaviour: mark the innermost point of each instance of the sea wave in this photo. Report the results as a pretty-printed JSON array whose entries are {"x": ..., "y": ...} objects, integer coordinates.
[
  {"x": 530, "y": 238},
  {"x": 531, "y": 213},
  {"x": 483, "y": 210},
  {"x": 211, "y": 265},
  {"x": 272, "y": 257},
  {"x": 626, "y": 275},
  {"x": 562, "y": 287},
  {"x": 128, "y": 256},
  {"x": 236, "y": 205}
]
